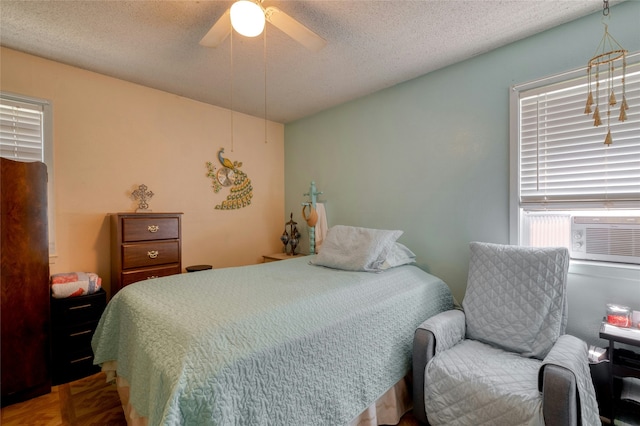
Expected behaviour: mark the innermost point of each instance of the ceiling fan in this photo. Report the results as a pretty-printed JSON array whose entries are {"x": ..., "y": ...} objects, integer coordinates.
[{"x": 245, "y": 9}]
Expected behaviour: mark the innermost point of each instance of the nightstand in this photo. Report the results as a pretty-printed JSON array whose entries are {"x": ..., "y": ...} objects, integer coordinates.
[
  {"x": 73, "y": 322},
  {"x": 280, "y": 256},
  {"x": 622, "y": 362}
]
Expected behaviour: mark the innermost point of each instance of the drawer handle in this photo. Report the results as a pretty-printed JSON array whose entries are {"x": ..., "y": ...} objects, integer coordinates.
[
  {"x": 152, "y": 277},
  {"x": 152, "y": 254},
  {"x": 81, "y": 359},
  {"x": 80, "y": 333},
  {"x": 153, "y": 228},
  {"x": 88, "y": 305}
]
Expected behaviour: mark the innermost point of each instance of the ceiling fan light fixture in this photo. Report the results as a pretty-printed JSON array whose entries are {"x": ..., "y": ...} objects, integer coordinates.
[{"x": 247, "y": 18}]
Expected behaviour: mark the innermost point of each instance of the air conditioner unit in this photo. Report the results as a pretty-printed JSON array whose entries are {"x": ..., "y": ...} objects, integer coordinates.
[{"x": 609, "y": 239}]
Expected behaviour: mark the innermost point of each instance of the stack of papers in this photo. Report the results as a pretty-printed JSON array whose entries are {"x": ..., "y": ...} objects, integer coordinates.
[
  {"x": 632, "y": 333},
  {"x": 597, "y": 354}
]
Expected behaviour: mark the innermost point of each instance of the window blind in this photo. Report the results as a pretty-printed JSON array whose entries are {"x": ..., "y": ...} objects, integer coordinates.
[
  {"x": 26, "y": 135},
  {"x": 21, "y": 130},
  {"x": 563, "y": 158}
]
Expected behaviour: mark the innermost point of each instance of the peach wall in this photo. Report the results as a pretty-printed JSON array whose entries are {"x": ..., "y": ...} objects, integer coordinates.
[{"x": 111, "y": 136}]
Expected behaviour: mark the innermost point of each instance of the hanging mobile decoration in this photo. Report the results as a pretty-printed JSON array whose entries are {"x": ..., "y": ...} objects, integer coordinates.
[
  {"x": 241, "y": 191},
  {"x": 608, "y": 54}
]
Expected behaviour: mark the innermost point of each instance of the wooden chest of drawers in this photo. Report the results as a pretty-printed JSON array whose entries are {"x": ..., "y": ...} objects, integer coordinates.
[
  {"x": 144, "y": 246},
  {"x": 73, "y": 322}
]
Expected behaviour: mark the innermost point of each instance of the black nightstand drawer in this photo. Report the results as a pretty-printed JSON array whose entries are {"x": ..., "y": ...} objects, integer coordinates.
[
  {"x": 75, "y": 337},
  {"x": 83, "y": 357},
  {"x": 74, "y": 310},
  {"x": 73, "y": 322},
  {"x": 74, "y": 366}
]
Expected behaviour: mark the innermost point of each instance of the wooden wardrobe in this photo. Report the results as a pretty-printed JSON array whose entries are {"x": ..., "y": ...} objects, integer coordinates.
[{"x": 24, "y": 278}]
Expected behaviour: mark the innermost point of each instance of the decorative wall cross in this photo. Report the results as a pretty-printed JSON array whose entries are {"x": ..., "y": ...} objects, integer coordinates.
[{"x": 142, "y": 196}]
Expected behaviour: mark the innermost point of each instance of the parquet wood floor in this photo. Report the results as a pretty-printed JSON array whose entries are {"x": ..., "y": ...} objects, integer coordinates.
[{"x": 86, "y": 402}]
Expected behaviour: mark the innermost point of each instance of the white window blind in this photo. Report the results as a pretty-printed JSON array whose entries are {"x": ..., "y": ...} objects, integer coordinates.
[
  {"x": 563, "y": 160},
  {"x": 26, "y": 135},
  {"x": 21, "y": 130}
]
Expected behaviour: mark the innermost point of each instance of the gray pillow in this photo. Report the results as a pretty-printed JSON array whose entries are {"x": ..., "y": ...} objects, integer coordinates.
[
  {"x": 356, "y": 249},
  {"x": 398, "y": 255}
]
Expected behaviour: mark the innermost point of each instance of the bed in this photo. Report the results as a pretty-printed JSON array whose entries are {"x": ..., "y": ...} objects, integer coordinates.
[{"x": 282, "y": 343}]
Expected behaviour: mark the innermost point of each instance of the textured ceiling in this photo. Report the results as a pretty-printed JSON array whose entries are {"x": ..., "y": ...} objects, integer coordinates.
[{"x": 371, "y": 45}]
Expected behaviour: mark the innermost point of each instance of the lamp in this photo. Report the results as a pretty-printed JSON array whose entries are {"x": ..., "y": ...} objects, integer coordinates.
[
  {"x": 247, "y": 18},
  {"x": 608, "y": 54}
]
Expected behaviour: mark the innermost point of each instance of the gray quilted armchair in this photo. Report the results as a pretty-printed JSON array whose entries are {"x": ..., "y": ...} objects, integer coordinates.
[{"x": 505, "y": 358}]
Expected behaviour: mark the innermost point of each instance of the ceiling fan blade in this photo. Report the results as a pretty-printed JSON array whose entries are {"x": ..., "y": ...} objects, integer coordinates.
[
  {"x": 294, "y": 29},
  {"x": 220, "y": 30}
]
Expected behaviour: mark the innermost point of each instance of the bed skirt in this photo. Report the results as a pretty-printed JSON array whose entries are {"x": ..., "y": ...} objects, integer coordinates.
[{"x": 387, "y": 410}]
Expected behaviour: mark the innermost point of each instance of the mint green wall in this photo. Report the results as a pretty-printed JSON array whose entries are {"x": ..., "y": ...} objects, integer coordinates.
[{"x": 431, "y": 157}]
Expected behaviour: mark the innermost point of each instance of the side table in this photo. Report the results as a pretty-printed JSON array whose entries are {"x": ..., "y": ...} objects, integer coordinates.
[
  {"x": 622, "y": 363},
  {"x": 197, "y": 268},
  {"x": 73, "y": 322}
]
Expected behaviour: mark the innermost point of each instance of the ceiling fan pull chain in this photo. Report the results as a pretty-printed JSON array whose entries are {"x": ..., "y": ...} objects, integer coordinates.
[
  {"x": 231, "y": 61},
  {"x": 265, "y": 83}
]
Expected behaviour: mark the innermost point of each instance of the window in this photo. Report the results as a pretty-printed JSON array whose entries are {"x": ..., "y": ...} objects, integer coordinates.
[
  {"x": 560, "y": 166},
  {"x": 25, "y": 135}
]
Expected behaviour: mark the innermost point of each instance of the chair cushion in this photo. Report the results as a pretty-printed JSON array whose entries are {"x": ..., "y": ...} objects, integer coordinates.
[
  {"x": 516, "y": 297},
  {"x": 476, "y": 384}
]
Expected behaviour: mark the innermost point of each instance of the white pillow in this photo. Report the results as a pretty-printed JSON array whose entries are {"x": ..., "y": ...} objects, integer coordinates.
[
  {"x": 398, "y": 255},
  {"x": 356, "y": 249}
]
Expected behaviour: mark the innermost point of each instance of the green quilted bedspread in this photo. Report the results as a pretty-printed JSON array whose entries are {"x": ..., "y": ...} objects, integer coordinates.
[{"x": 280, "y": 343}]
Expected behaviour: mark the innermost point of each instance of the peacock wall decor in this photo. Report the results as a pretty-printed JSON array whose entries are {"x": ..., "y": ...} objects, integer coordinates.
[{"x": 230, "y": 175}]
